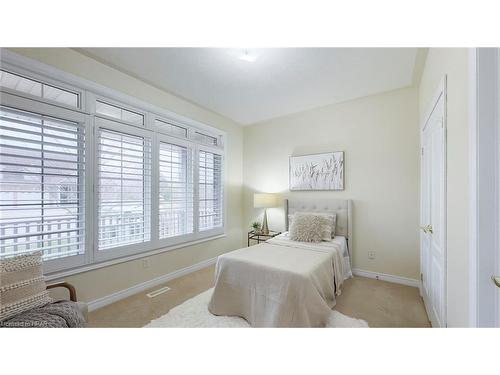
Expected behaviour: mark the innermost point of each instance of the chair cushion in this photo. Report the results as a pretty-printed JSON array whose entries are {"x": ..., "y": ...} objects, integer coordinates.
[{"x": 22, "y": 285}]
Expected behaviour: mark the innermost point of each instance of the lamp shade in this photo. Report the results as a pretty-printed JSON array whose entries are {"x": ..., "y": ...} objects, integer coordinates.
[{"x": 265, "y": 200}]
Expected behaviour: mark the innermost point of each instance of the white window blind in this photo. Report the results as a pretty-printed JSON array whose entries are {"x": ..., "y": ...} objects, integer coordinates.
[
  {"x": 38, "y": 156},
  {"x": 175, "y": 190},
  {"x": 124, "y": 189},
  {"x": 210, "y": 190}
]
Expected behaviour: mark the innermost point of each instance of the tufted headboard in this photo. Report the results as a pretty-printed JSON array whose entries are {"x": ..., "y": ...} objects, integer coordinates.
[{"x": 342, "y": 207}]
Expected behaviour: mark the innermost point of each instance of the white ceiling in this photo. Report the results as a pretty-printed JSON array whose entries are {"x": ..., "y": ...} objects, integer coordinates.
[{"x": 280, "y": 81}]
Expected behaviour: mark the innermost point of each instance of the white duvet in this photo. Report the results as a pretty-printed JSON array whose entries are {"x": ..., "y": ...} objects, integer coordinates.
[
  {"x": 280, "y": 283},
  {"x": 284, "y": 240}
]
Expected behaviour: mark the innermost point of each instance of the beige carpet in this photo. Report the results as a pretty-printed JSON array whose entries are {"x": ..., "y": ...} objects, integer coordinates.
[{"x": 380, "y": 303}]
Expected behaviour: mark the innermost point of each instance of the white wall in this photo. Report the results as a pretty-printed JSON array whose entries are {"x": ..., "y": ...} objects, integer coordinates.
[
  {"x": 380, "y": 137},
  {"x": 98, "y": 283},
  {"x": 453, "y": 62}
]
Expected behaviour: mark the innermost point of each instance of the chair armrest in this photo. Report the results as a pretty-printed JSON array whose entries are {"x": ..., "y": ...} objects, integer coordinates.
[{"x": 63, "y": 284}]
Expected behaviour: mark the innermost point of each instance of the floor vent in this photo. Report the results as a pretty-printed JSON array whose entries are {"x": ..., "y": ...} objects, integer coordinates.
[{"x": 157, "y": 292}]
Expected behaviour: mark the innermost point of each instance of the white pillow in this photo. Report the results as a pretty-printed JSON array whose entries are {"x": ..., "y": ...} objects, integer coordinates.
[
  {"x": 328, "y": 227},
  {"x": 307, "y": 228}
]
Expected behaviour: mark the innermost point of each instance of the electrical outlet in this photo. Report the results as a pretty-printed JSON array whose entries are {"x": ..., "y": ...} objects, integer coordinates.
[
  {"x": 146, "y": 263},
  {"x": 371, "y": 255}
]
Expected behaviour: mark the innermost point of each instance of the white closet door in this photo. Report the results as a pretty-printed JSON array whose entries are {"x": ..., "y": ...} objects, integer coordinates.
[{"x": 433, "y": 233}]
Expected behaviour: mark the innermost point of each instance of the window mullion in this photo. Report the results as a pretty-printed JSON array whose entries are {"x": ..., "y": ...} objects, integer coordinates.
[
  {"x": 42, "y": 184},
  {"x": 90, "y": 191},
  {"x": 196, "y": 191},
  {"x": 155, "y": 188}
]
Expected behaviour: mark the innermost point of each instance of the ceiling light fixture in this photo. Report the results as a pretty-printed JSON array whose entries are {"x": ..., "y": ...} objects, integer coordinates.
[{"x": 247, "y": 56}]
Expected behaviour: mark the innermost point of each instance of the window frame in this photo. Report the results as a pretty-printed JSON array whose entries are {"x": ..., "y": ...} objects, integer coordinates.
[
  {"x": 221, "y": 153},
  {"x": 175, "y": 240},
  {"x": 43, "y": 79},
  {"x": 119, "y": 251},
  {"x": 89, "y": 92},
  {"x": 162, "y": 131},
  {"x": 25, "y": 104},
  {"x": 120, "y": 106}
]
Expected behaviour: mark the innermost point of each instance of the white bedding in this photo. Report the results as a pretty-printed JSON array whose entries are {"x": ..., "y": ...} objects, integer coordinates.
[
  {"x": 280, "y": 283},
  {"x": 284, "y": 240}
]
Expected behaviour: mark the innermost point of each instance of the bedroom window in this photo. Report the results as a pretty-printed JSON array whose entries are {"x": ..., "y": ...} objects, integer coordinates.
[
  {"x": 87, "y": 179},
  {"x": 210, "y": 190},
  {"x": 175, "y": 190},
  {"x": 123, "y": 186},
  {"x": 42, "y": 185}
]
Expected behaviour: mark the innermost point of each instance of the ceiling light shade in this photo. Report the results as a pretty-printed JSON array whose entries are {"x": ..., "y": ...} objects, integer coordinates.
[
  {"x": 265, "y": 200},
  {"x": 247, "y": 56}
]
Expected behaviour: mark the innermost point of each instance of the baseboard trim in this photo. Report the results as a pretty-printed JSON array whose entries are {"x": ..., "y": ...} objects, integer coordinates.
[
  {"x": 386, "y": 277},
  {"x": 114, "y": 297}
]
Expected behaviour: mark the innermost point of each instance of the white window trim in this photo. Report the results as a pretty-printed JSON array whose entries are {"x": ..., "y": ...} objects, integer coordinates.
[
  {"x": 31, "y": 74},
  {"x": 92, "y": 99},
  {"x": 160, "y": 130},
  {"x": 28, "y": 105},
  {"x": 88, "y": 91},
  {"x": 165, "y": 242},
  {"x": 94, "y": 266},
  {"x": 59, "y": 77},
  {"x": 214, "y": 150},
  {"x": 119, "y": 251}
]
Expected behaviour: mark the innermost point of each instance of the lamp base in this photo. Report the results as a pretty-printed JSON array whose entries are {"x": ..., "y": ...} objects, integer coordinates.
[{"x": 265, "y": 229}]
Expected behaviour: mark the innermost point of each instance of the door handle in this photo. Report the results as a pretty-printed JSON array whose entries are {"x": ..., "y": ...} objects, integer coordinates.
[
  {"x": 427, "y": 229},
  {"x": 496, "y": 280}
]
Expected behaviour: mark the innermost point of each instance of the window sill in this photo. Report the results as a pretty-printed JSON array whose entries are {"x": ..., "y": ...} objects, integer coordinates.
[{"x": 90, "y": 267}]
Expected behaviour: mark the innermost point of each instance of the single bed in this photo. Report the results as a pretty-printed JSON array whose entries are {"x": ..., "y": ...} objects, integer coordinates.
[{"x": 285, "y": 283}]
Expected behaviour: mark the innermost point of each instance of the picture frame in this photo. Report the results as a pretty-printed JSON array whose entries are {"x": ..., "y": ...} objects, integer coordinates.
[{"x": 323, "y": 171}]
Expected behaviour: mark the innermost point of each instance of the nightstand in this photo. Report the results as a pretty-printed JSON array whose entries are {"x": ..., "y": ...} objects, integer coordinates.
[{"x": 260, "y": 237}]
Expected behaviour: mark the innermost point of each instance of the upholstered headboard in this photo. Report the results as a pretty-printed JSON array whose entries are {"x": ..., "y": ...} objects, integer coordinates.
[{"x": 342, "y": 207}]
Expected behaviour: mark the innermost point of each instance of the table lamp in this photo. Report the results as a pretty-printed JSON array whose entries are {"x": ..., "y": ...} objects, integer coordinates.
[{"x": 265, "y": 200}]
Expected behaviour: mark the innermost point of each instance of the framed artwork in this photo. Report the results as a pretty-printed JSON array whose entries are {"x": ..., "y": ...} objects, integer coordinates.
[{"x": 317, "y": 171}]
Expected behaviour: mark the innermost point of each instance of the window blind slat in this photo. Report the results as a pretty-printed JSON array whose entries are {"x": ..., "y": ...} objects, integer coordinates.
[
  {"x": 123, "y": 206},
  {"x": 210, "y": 191},
  {"x": 38, "y": 202},
  {"x": 175, "y": 190}
]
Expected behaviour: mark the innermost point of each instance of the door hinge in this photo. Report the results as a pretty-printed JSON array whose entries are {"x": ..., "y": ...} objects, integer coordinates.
[
  {"x": 422, "y": 149},
  {"x": 422, "y": 277}
]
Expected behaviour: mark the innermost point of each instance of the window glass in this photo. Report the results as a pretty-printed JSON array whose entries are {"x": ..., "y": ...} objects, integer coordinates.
[
  {"x": 42, "y": 90},
  {"x": 119, "y": 113}
]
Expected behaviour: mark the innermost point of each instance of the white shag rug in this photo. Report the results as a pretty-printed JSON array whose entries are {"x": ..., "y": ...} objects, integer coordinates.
[{"x": 194, "y": 314}]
